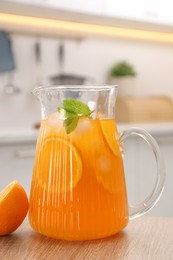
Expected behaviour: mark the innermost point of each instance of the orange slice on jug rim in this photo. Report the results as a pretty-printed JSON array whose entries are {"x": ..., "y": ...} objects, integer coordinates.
[{"x": 59, "y": 165}]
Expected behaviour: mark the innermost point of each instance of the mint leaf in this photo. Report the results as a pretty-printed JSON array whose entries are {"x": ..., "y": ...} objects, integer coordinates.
[
  {"x": 71, "y": 123},
  {"x": 74, "y": 109},
  {"x": 76, "y": 106},
  {"x": 66, "y": 113},
  {"x": 70, "y": 114}
]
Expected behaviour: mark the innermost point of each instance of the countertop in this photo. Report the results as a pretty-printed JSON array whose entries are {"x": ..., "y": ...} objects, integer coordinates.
[
  {"x": 144, "y": 238},
  {"x": 158, "y": 130}
]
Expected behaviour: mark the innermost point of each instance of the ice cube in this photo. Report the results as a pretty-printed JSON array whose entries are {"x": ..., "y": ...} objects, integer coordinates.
[
  {"x": 84, "y": 125},
  {"x": 92, "y": 105},
  {"x": 54, "y": 119},
  {"x": 104, "y": 163},
  {"x": 62, "y": 114}
]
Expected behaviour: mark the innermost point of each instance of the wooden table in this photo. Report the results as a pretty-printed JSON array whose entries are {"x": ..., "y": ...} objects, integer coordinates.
[{"x": 145, "y": 238}]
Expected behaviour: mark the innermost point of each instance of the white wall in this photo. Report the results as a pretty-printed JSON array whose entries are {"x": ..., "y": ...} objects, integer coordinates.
[{"x": 89, "y": 57}]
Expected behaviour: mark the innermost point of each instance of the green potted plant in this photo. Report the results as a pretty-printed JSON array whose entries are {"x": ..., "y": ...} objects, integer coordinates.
[{"x": 123, "y": 74}]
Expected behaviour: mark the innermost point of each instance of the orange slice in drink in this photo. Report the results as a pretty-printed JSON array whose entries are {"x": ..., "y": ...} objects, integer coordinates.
[
  {"x": 108, "y": 164},
  {"x": 110, "y": 134},
  {"x": 59, "y": 165},
  {"x": 108, "y": 169}
]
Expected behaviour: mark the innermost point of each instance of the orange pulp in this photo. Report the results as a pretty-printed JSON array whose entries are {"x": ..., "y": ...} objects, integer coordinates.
[{"x": 78, "y": 188}]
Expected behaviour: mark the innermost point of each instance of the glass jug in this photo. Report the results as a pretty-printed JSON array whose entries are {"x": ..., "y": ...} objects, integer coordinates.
[{"x": 78, "y": 189}]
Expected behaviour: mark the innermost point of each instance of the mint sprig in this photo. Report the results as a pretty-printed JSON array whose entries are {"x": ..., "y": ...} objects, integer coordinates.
[{"x": 74, "y": 109}]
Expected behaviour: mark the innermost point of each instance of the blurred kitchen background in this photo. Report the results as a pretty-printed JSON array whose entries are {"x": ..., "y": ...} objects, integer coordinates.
[{"x": 53, "y": 42}]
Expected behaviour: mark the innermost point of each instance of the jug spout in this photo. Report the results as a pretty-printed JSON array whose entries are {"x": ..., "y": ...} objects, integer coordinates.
[{"x": 36, "y": 92}]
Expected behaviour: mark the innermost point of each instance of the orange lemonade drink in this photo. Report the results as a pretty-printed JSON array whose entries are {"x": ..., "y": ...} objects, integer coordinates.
[{"x": 78, "y": 188}]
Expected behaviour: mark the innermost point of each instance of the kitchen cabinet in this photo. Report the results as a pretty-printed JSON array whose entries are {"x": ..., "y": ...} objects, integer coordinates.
[
  {"x": 19, "y": 1},
  {"x": 124, "y": 9},
  {"x": 165, "y": 205},
  {"x": 149, "y": 11},
  {"x": 16, "y": 162},
  {"x": 72, "y": 18},
  {"x": 84, "y": 6}
]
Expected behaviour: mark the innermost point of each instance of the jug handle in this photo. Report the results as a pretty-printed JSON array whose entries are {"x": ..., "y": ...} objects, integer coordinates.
[{"x": 149, "y": 202}]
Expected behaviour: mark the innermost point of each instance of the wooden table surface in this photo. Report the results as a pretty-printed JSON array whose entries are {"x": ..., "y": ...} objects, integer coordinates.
[{"x": 144, "y": 238}]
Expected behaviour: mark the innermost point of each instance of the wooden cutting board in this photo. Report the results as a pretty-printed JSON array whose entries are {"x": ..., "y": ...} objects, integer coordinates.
[{"x": 144, "y": 109}]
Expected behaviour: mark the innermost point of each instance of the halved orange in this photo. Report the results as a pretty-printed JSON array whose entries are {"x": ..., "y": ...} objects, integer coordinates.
[
  {"x": 59, "y": 165},
  {"x": 13, "y": 207}
]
